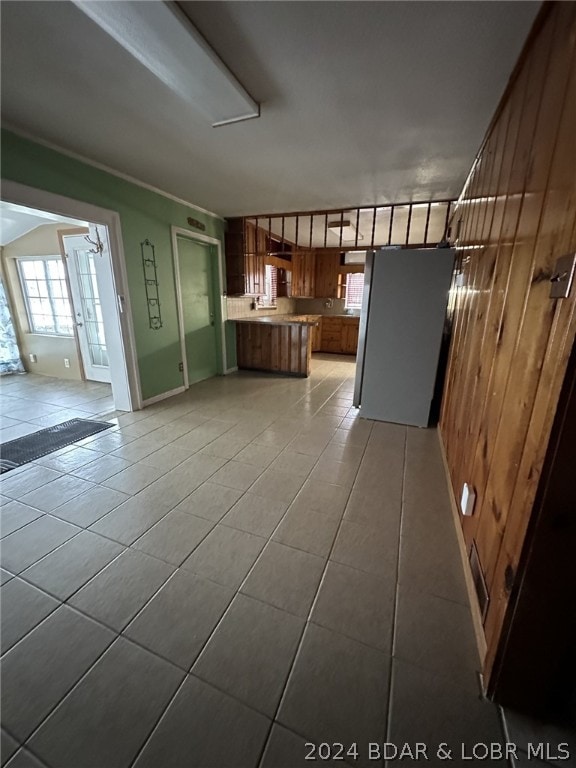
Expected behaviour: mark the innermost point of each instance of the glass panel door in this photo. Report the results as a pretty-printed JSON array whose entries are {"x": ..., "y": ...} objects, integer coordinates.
[{"x": 88, "y": 317}]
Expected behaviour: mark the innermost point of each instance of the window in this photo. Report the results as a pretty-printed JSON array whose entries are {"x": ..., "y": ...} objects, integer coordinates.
[
  {"x": 46, "y": 294},
  {"x": 355, "y": 257},
  {"x": 354, "y": 290},
  {"x": 271, "y": 286}
]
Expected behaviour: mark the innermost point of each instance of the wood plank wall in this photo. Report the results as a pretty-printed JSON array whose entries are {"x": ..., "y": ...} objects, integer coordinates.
[
  {"x": 281, "y": 348},
  {"x": 511, "y": 342}
]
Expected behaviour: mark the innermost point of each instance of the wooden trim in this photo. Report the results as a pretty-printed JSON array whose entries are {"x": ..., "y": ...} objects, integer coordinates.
[
  {"x": 330, "y": 211},
  {"x": 470, "y": 588}
]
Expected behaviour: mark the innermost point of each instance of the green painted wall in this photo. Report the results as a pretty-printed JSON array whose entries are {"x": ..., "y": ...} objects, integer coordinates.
[{"x": 143, "y": 214}]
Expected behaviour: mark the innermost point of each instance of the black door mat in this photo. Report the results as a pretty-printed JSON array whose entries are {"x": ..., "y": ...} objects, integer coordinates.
[{"x": 25, "y": 449}]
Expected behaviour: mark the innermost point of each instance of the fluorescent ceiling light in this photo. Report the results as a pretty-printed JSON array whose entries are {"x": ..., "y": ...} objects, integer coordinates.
[
  {"x": 348, "y": 231},
  {"x": 166, "y": 42}
]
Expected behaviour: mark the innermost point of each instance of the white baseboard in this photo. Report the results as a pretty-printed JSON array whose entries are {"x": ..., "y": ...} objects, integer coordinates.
[
  {"x": 230, "y": 370},
  {"x": 163, "y": 396}
]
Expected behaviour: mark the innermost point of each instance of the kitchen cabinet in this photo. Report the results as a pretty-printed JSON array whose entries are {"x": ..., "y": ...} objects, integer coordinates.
[
  {"x": 303, "y": 274},
  {"x": 340, "y": 334},
  {"x": 350, "y": 331},
  {"x": 331, "y": 334},
  {"x": 275, "y": 344},
  {"x": 317, "y": 336},
  {"x": 326, "y": 271},
  {"x": 245, "y": 249},
  {"x": 284, "y": 282}
]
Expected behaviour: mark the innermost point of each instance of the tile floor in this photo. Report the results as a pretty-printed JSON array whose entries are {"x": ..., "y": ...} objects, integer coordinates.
[
  {"x": 29, "y": 402},
  {"x": 228, "y": 575}
]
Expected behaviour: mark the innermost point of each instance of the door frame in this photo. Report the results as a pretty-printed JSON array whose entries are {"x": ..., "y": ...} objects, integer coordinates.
[
  {"x": 221, "y": 305},
  {"x": 75, "y": 292},
  {"x": 61, "y": 233},
  {"x": 126, "y": 387}
]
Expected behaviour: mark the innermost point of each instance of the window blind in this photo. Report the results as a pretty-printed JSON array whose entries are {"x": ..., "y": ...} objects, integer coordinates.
[
  {"x": 271, "y": 285},
  {"x": 354, "y": 290}
]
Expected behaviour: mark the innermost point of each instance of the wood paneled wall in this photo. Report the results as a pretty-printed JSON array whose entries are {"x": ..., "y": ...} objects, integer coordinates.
[
  {"x": 281, "y": 348},
  {"x": 511, "y": 342}
]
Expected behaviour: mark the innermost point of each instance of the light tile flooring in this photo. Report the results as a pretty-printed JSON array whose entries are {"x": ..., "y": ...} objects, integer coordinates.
[
  {"x": 228, "y": 575},
  {"x": 29, "y": 402}
]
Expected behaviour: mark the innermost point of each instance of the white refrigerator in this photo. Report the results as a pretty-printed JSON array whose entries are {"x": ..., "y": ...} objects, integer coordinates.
[{"x": 401, "y": 325}]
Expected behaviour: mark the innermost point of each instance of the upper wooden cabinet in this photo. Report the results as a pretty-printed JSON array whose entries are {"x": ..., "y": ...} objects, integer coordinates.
[
  {"x": 284, "y": 282},
  {"x": 303, "y": 274},
  {"x": 326, "y": 272},
  {"x": 245, "y": 269}
]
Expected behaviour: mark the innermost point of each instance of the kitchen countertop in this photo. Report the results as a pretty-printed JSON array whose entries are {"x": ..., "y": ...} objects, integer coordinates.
[
  {"x": 280, "y": 319},
  {"x": 343, "y": 314}
]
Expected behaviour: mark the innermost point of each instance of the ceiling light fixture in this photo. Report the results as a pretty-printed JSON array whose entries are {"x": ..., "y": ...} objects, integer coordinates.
[
  {"x": 166, "y": 42},
  {"x": 347, "y": 230}
]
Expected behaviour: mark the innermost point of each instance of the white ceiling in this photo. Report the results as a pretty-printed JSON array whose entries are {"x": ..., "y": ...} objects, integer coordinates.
[
  {"x": 17, "y": 220},
  {"x": 363, "y": 103}
]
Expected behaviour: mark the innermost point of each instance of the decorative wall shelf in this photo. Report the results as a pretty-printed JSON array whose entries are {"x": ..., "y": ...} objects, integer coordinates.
[{"x": 151, "y": 284}]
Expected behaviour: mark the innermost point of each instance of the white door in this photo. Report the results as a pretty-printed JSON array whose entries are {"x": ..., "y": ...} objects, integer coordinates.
[{"x": 84, "y": 267}]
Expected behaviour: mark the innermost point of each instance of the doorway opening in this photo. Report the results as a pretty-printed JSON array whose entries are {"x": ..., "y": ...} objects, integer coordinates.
[
  {"x": 198, "y": 270},
  {"x": 65, "y": 282}
]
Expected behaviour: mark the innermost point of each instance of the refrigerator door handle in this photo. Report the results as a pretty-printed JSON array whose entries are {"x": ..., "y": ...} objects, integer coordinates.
[{"x": 368, "y": 269}]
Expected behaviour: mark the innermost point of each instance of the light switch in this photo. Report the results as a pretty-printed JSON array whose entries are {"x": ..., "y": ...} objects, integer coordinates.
[{"x": 561, "y": 280}]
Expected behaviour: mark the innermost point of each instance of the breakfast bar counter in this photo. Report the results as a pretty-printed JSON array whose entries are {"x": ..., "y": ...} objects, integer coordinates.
[{"x": 280, "y": 344}]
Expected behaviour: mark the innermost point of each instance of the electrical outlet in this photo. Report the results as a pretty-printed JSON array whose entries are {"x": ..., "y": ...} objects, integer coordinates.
[
  {"x": 467, "y": 500},
  {"x": 66, "y": 363},
  {"x": 33, "y": 358},
  {"x": 181, "y": 367}
]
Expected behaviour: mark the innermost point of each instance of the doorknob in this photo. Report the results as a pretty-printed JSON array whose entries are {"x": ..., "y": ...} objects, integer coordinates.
[{"x": 79, "y": 325}]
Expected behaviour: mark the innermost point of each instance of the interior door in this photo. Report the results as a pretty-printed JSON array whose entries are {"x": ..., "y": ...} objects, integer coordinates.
[
  {"x": 88, "y": 312},
  {"x": 196, "y": 271}
]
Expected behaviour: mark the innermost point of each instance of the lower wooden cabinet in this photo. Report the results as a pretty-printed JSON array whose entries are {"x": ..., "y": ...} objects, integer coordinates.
[
  {"x": 317, "y": 337},
  {"x": 350, "y": 330},
  {"x": 331, "y": 334},
  {"x": 339, "y": 335}
]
